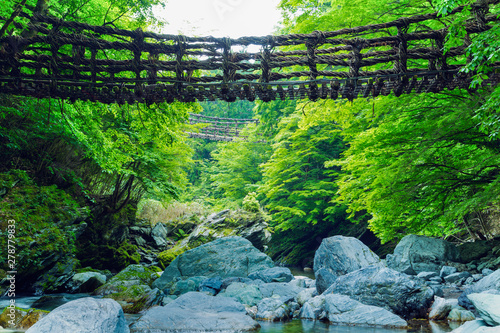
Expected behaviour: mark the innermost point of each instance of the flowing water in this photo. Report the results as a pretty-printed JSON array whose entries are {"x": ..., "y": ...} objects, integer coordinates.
[{"x": 294, "y": 326}]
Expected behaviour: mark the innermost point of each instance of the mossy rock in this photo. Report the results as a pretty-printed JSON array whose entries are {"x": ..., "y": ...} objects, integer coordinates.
[
  {"x": 105, "y": 256},
  {"x": 167, "y": 256},
  {"x": 24, "y": 319},
  {"x": 130, "y": 276},
  {"x": 31, "y": 318},
  {"x": 131, "y": 294}
]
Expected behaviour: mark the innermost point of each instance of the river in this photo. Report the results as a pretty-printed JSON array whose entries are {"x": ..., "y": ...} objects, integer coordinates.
[{"x": 294, "y": 326}]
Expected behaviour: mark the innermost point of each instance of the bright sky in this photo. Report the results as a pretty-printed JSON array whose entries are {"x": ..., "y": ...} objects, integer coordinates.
[{"x": 220, "y": 18}]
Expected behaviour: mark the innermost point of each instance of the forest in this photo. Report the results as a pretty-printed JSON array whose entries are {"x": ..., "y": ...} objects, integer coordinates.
[{"x": 373, "y": 168}]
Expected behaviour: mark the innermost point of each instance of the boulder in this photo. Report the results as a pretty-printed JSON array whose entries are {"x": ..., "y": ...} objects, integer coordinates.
[
  {"x": 306, "y": 295},
  {"x": 274, "y": 274},
  {"x": 85, "y": 282},
  {"x": 273, "y": 309},
  {"x": 130, "y": 276},
  {"x": 455, "y": 277},
  {"x": 184, "y": 285},
  {"x": 84, "y": 315},
  {"x": 447, "y": 270},
  {"x": 339, "y": 255},
  {"x": 489, "y": 282},
  {"x": 11, "y": 316},
  {"x": 313, "y": 309},
  {"x": 196, "y": 311},
  {"x": 54, "y": 279},
  {"x": 427, "y": 275},
  {"x": 415, "y": 254},
  {"x": 159, "y": 234},
  {"x": 224, "y": 257},
  {"x": 384, "y": 287},
  {"x": 343, "y": 310},
  {"x": 211, "y": 286},
  {"x": 251, "y": 226},
  {"x": 441, "y": 308},
  {"x": 21, "y": 318},
  {"x": 488, "y": 307},
  {"x": 285, "y": 291},
  {"x": 460, "y": 314},
  {"x": 474, "y": 326},
  {"x": 227, "y": 281},
  {"x": 245, "y": 294},
  {"x": 476, "y": 250}
]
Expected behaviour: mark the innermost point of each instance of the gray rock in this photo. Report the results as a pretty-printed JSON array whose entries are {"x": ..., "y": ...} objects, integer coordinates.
[
  {"x": 273, "y": 309},
  {"x": 427, "y": 275},
  {"x": 384, "y": 287},
  {"x": 447, "y": 270},
  {"x": 487, "y": 271},
  {"x": 140, "y": 241},
  {"x": 306, "y": 295},
  {"x": 436, "y": 279},
  {"x": 85, "y": 315},
  {"x": 488, "y": 307},
  {"x": 313, "y": 308},
  {"x": 308, "y": 282},
  {"x": 132, "y": 275},
  {"x": 455, "y": 277},
  {"x": 441, "y": 308},
  {"x": 183, "y": 286},
  {"x": 159, "y": 234},
  {"x": 226, "y": 282},
  {"x": 211, "y": 286},
  {"x": 460, "y": 314},
  {"x": 193, "y": 312},
  {"x": 343, "y": 310},
  {"x": 490, "y": 282},
  {"x": 415, "y": 254},
  {"x": 478, "y": 277},
  {"x": 285, "y": 291},
  {"x": 224, "y": 257},
  {"x": 55, "y": 279},
  {"x": 470, "y": 327},
  {"x": 339, "y": 255},
  {"x": 274, "y": 274},
  {"x": 245, "y": 294},
  {"x": 85, "y": 282}
]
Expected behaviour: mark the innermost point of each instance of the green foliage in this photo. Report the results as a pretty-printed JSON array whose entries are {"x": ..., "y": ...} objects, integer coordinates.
[
  {"x": 417, "y": 164},
  {"x": 42, "y": 216},
  {"x": 235, "y": 170},
  {"x": 250, "y": 202},
  {"x": 297, "y": 185}
]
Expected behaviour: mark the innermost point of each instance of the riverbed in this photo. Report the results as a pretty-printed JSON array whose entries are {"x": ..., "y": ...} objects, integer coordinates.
[{"x": 294, "y": 326}]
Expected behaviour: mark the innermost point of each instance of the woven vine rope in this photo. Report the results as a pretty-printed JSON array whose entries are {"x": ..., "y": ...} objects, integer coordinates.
[
  {"x": 77, "y": 61},
  {"x": 217, "y": 128}
]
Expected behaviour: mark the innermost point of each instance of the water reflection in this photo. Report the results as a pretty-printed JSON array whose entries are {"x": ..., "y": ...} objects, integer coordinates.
[{"x": 309, "y": 326}]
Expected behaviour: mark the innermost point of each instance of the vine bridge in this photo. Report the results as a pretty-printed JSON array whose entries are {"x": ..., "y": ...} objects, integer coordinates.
[
  {"x": 77, "y": 61},
  {"x": 218, "y": 129}
]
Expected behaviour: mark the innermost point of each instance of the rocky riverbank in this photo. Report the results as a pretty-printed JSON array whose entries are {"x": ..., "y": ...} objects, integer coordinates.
[{"x": 228, "y": 285}]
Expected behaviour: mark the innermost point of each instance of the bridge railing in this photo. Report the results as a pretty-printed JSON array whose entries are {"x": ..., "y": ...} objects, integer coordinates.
[{"x": 73, "y": 60}]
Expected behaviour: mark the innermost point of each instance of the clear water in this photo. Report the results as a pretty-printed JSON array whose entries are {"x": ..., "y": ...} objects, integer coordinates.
[{"x": 294, "y": 326}]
